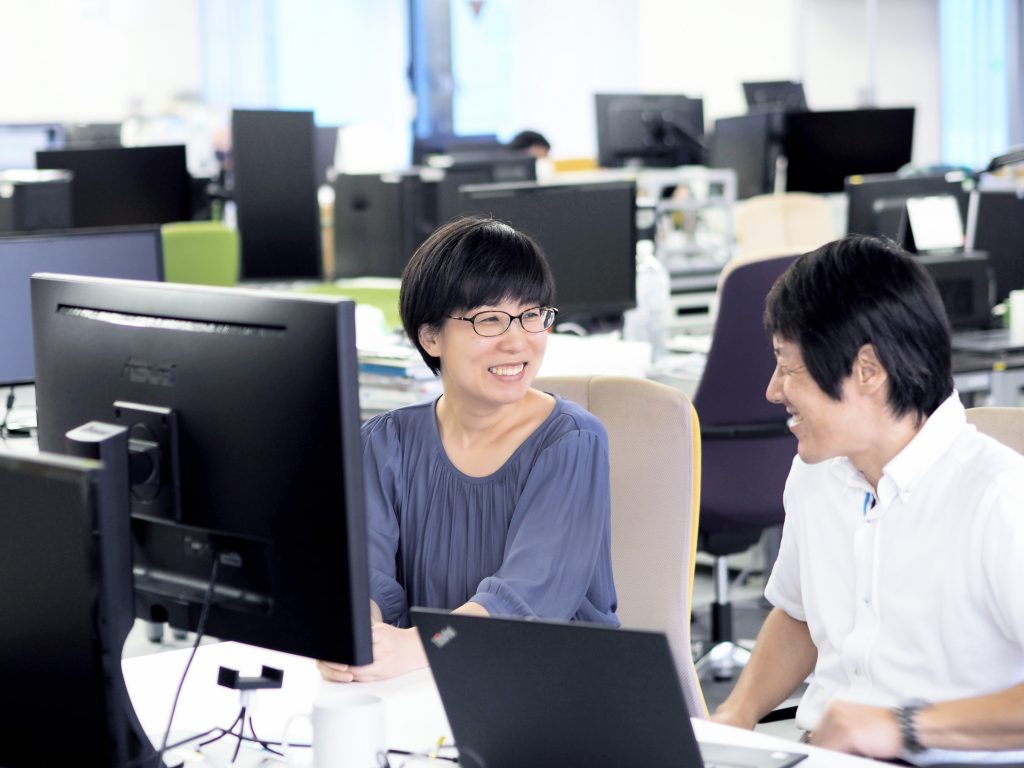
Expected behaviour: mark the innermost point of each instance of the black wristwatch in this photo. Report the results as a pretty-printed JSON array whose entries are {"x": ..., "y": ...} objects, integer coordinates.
[{"x": 906, "y": 715}]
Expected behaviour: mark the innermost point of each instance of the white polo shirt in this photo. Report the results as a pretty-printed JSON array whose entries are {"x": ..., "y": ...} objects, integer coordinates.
[{"x": 920, "y": 592}]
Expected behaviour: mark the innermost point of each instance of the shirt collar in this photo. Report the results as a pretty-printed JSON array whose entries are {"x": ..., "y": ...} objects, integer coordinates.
[{"x": 904, "y": 470}]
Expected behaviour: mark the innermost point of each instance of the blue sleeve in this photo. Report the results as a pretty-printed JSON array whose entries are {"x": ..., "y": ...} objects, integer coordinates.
[
  {"x": 382, "y": 471},
  {"x": 557, "y": 561}
]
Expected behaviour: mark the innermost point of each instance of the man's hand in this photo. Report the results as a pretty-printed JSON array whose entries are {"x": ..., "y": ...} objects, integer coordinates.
[
  {"x": 395, "y": 652},
  {"x": 729, "y": 716},
  {"x": 859, "y": 729}
]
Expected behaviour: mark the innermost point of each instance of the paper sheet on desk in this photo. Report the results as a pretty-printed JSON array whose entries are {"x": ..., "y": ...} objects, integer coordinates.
[{"x": 589, "y": 355}]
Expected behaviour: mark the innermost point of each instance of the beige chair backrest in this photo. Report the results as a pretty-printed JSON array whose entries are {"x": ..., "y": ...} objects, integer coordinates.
[
  {"x": 654, "y": 451},
  {"x": 1004, "y": 424},
  {"x": 783, "y": 224}
]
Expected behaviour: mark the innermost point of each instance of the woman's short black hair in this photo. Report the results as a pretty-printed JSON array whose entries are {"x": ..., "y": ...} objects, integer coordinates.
[
  {"x": 865, "y": 290},
  {"x": 470, "y": 262}
]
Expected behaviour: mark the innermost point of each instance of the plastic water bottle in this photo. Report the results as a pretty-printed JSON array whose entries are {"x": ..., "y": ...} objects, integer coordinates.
[{"x": 649, "y": 321}]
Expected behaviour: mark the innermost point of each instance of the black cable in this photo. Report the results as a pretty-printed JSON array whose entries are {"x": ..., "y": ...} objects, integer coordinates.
[
  {"x": 207, "y": 601},
  {"x": 7, "y": 412}
]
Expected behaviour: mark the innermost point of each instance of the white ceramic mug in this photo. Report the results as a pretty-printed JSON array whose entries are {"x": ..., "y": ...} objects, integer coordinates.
[{"x": 348, "y": 729}]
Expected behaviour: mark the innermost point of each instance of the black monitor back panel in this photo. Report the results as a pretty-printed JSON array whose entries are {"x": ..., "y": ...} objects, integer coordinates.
[
  {"x": 999, "y": 231},
  {"x": 745, "y": 144},
  {"x": 588, "y": 232},
  {"x": 787, "y": 95},
  {"x": 871, "y": 197},
  {"x": 275, "y": 193},
  {"x": 118, "y": 186},
  {"x": 823, "y": 148},
  {"x": 649, "y": 129}
]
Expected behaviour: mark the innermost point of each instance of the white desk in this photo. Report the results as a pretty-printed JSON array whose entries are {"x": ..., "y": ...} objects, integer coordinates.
[{"x": 415, "y": 718}]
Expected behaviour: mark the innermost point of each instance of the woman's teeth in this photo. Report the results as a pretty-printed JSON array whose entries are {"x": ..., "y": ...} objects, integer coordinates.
[{"x": 507, "y": 370}]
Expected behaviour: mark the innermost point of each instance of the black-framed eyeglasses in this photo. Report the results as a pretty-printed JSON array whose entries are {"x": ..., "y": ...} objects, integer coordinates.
[{"x": 494, "y": 322}]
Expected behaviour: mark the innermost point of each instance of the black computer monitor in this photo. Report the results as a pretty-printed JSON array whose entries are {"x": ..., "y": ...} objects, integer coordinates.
[
  {"x": 442, "y": 144},
  {"x": 588, "y": 232},
  {"x": 118, "y": 186},
  {"x": 243, "y": 410},
  {"x": 823, "y": 148},
  {"x": 131, "y": 252},
  {"x": 459, "y": 169},
  {"x": 66, "y": 608},
  {"x": 19, "y": 143},
  {"x": 995, "y": 225},
  {"x": 659, "y": 130},
  {"x": 85, "y": 135},
  {"x": 745, "y": 144},
  {"x": 275, "y": 193},
  {"x": 872, "y": 196},
  {"x": 786, "y": 95}
]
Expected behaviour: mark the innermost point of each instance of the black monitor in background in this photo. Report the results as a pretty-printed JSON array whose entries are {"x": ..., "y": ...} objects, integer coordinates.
[
  {"x": 120, "y": 186},
  {"x": 588, "y": 232},
  {"x": 745, "y": 144},
  {"x": 19, "y": 143},
  {"x": 243, "y": 410},
  {"x": 275, "y": 194},
  {"x": 995, "y": 225},
  {"x": 443, "y": 144},
  {"x": 823, "y": 148},
  {"x": 131, "y": 252},
  {"x": 655, "y": 130},
  {"x": 872, "y": 196},
  {"x": 92, "y": 135},
  {"x": 786, "y": 95},
  {"x": 502, "y": 166},
  {"x": 66, "y": 614}
]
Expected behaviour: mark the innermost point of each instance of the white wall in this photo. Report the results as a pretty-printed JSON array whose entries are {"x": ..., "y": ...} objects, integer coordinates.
[
  {"x": 709, "y": 48},
  {"x": 551, "y": 56},
  {"x": 89, "y": 60}
]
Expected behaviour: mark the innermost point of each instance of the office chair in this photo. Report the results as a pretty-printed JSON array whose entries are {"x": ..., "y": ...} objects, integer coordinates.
[
  {"x": 1004, "y": 424},
  {"x": 654, "y": 453},
  {"x": 747, "y": 447},
  {"x": 200, "y": 252},
  {"x": 781, "y": 224}
]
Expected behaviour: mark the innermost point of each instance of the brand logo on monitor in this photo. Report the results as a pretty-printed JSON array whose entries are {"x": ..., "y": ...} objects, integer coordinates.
[
  {"x": 445, "y": 636},
  {"x": 143, "y": 372}
]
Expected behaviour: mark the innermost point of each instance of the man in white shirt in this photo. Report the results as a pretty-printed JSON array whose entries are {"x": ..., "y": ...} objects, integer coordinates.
[{"x": 900, "y": 579}]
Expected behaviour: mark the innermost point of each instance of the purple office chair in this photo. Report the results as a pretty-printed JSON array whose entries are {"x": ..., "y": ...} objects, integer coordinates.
[{"x": 747, "y": 447}]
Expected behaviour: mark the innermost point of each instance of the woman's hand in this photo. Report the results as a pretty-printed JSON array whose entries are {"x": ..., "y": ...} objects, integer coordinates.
[{"x": 395, "y": 652}]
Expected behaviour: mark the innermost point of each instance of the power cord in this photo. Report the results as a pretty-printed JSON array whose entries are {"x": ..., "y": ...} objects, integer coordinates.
[
  {"x": 207, "y": 601},
  {"x": 7, "y": 413}
]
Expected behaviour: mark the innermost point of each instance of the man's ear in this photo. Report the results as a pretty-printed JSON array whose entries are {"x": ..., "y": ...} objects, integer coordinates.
[
  {"x": 428, "y": 338},
  {"x": 869, "y": 374}
]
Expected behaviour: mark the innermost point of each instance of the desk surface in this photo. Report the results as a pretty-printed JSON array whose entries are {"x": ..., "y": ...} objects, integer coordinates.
[{"x": 414, "y": 716}]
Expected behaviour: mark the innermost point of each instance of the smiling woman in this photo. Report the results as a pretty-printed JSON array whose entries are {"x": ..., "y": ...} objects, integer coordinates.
[{"x": 493, "y": 499}]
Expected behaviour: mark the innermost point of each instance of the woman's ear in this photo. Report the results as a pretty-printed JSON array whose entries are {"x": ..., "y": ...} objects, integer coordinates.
[{"x": 428, "y": 335}]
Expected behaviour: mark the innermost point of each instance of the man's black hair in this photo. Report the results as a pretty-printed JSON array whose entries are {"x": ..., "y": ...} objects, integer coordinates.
[
  {"x": 526, "y": 139},
  {"x": 864, "y": 290},
  {"x": 470, "y": 262}
]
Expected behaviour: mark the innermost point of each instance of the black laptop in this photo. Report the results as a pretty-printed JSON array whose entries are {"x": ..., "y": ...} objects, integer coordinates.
[{"x": 521, "y": 692}]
